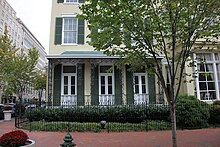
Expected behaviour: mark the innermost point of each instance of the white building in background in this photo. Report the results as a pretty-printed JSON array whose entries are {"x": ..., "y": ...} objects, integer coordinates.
[{"x": 22, "y": 38}]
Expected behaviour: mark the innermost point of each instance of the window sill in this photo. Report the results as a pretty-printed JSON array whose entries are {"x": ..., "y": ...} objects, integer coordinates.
[
  {"x": 74, "y": 3},
  {"x": 69, "y": 44}
]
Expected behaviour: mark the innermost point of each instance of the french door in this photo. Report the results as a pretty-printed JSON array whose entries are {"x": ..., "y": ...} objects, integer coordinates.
[
  {"x": 140, "y": 88},
  {"x": 68, "y": 93},
  {"x": 106, "y": 86}
]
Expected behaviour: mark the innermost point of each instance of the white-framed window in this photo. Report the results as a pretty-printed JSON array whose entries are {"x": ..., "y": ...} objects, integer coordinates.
[
  {"x": 69, "y": 85},
  {"x": 141, "y": 94},
  {"x": 208, "y": 76},
  {"x": 3, "y": 14},
  {"x": 106, "y": 85},
  {"x": 2, "y": 22},
  {"x": 70, "y": 28}
]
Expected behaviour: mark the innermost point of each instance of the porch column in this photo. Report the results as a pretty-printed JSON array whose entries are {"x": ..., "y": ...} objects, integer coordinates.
[
  {"x": 80, "y": 84},
  {"x": 49, "y": 84},
  {"x": 118, "y": 85},
  {"x": 94, "y": 84}
]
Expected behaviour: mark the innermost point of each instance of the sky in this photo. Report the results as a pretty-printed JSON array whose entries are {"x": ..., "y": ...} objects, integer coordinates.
[{"x": 36, "y": 15}]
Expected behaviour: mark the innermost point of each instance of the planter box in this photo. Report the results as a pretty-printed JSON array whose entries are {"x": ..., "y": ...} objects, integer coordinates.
[
  {"x": 31, "y": 143},
  {"x": 7, "y": 115}
]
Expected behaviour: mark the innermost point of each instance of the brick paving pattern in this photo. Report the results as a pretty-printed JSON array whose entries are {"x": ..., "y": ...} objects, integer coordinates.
[{"x": 186, "y": 138}]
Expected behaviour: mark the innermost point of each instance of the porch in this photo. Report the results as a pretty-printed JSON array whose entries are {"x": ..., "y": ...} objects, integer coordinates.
[{"x": 92, "y": 78}]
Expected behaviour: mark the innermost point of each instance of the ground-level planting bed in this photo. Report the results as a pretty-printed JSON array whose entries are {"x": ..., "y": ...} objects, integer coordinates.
[{"x": 95, "y": 127}]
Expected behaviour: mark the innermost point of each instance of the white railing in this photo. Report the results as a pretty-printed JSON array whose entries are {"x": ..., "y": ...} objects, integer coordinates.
[
  {"x": 106, "y": 99},
  {"x": 68, "y": 100},
  {"x": 141, "y": 99}
]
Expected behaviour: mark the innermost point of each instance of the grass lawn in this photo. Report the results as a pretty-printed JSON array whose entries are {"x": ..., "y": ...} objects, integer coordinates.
[{"x": 95, "y": 127}]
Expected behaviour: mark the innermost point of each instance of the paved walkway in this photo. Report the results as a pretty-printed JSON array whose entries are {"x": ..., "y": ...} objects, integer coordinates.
[{"x": 186, "y": 138}]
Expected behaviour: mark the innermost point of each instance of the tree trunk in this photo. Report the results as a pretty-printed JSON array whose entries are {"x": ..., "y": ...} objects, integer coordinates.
[{"x": 173, "y": 123}]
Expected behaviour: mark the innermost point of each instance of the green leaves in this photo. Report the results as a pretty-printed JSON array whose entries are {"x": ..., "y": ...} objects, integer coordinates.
[
  {"x": 16, "y": 67},
  {"x": 153, "y": 28}
]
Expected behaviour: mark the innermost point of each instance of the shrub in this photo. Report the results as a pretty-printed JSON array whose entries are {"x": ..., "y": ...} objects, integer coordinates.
[
  {"x": 13, "y": 139},
  {"x": 123, "y": 114},
  {"x": 215, "y": 113},
  {"x": 191, "y": 112}
]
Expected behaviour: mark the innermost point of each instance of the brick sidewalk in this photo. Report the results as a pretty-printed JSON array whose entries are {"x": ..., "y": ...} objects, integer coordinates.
[{"x": 186, "y": 138}]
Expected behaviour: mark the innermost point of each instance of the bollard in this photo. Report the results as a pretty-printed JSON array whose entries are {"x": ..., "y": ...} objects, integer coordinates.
[{"x": 68, "y": 141}]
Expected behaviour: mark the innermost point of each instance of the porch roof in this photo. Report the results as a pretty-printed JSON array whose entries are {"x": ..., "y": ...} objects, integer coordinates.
[{"x": 81, "y": 54}]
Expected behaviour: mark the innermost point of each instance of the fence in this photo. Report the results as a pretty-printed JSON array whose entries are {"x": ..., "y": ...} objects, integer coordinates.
[{"x": 116, "y": 118}]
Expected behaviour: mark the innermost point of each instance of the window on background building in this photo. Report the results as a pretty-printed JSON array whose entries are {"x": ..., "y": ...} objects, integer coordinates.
[
  {"x": 2, "y": 22},
  {"x": 3, "y": 14},
  {"x": 6, "y": 17},
  {"x": 9, "y": 30},
  {"x": 208, "y": 77},
  {"x": 10, "y": 21}
]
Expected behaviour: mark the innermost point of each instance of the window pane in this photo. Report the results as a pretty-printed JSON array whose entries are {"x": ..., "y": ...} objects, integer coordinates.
[
  {"x": 73, "y": 90},
  {"x": 208, "y": 57},
  {"x": 216, "y": 56},
  {"x": 102, "y": 80},
  {"x": 109, "y": 79},
  {"x": 65, "y": 80},
  {"x": 143, "y": 88},
  {"x": 202, "y": 77},
  {"x": 136, "y": 89},
  {"x": 202, "y": 86},
  {"x": 210, "y": 77},
  {"x": 211, "y": 86},
  {"x": 136, "y": 80},
  {"x": 73, "y": 80},
  {"x": 70, "y": 30},
  {"x": 65, "y": 89},
  {"x": 69, "y": 69},
  {"x": 102, "y": 89},
  {"x": 209, "y": 68},
  {"x": 109, "y": 89},
  {"x": 143, "y": 79},
  {"x": 201, "y": 67},
  {"x": 105, "y": 69}
]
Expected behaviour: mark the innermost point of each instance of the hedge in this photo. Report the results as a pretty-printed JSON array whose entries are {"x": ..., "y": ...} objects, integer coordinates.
[{"x": 123, "y": 114}]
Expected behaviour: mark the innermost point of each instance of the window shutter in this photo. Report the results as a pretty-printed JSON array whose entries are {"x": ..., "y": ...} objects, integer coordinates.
[
  {"x": 57, "y": 85},
  {"x": 129, "y": 87},
  {"x": 95, "y": 85},
  {"x": 80, "y": 31},
  {"x": 58, "y": 31},
  {"x": 152, "y": 88},
  {"x": 118, "y": 86},
  {"x": 60, "y": 1},
  {"x": 81, "y": 1},
  {"x": 80, "y": 84}
]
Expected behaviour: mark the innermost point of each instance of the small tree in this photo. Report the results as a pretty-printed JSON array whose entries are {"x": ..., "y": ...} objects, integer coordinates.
[
  {"x": 39, "y": 83},
  {"x": 143, "y": 30},
  {"x": 7, "y": 52},
  {"x": 20, "y": 71}
]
